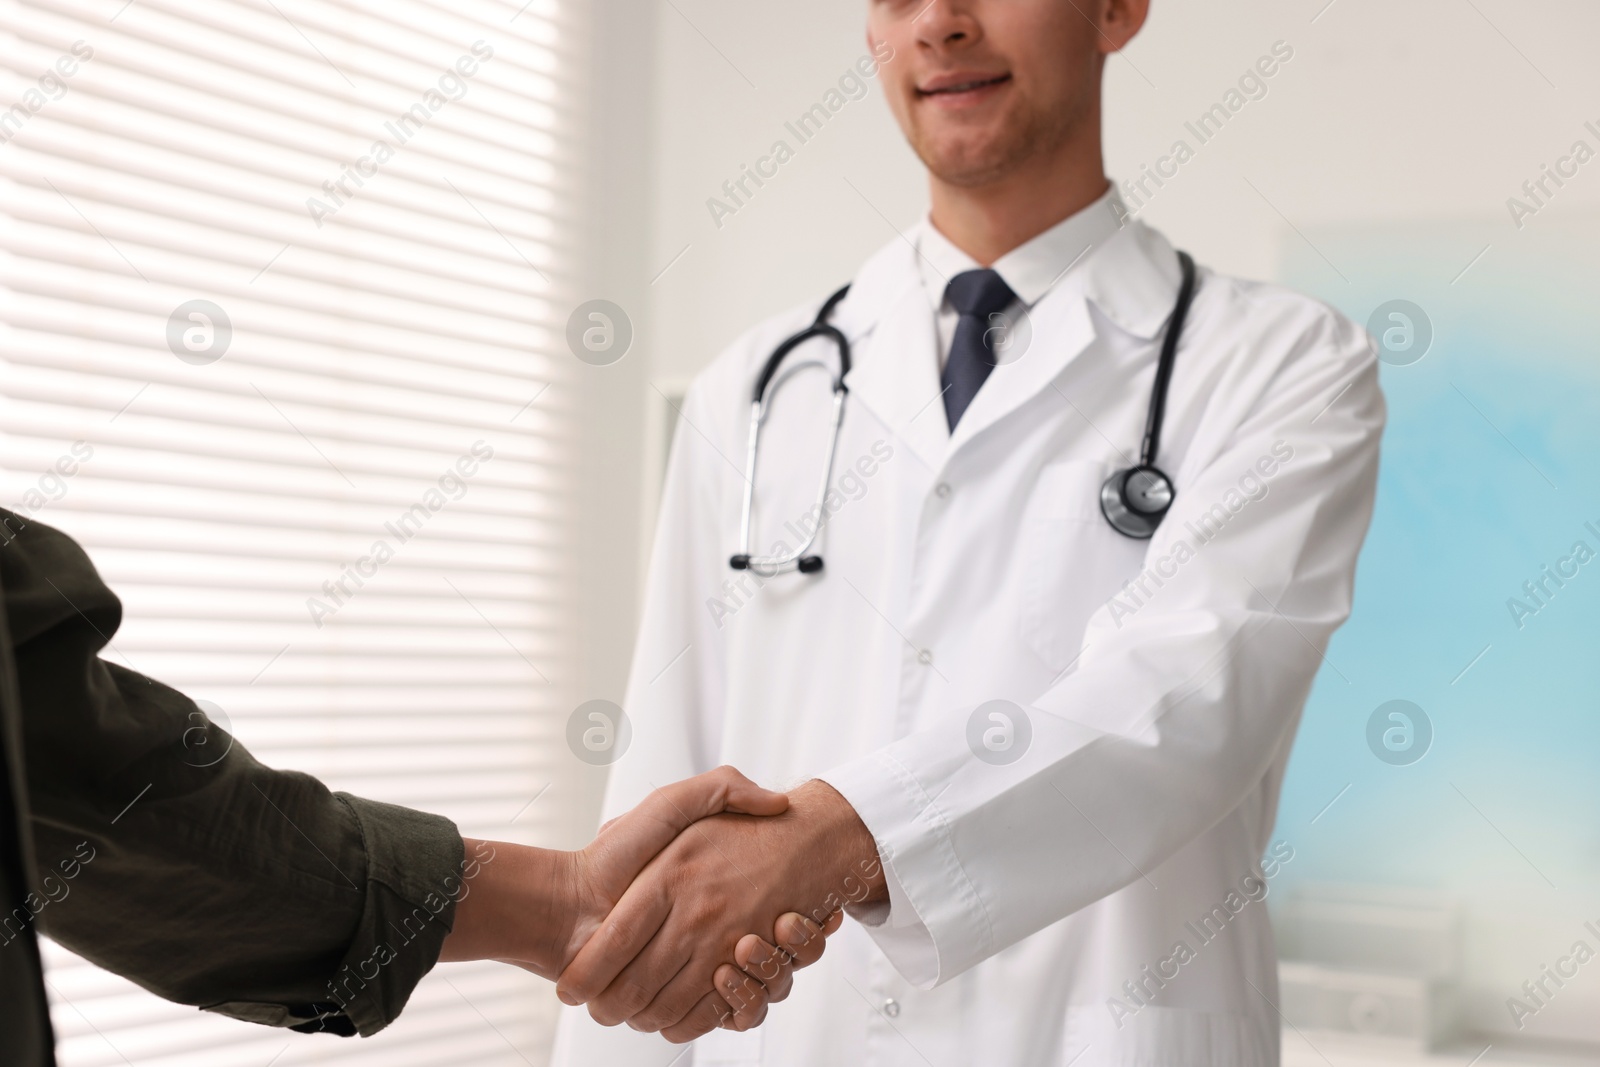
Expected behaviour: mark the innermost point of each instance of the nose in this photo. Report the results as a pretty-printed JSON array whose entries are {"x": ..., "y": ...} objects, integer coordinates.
[{"x": 947, "y": 24}]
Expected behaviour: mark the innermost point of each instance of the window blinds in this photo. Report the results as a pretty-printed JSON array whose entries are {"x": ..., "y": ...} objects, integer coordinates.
[{"x": 283, "y": 289}]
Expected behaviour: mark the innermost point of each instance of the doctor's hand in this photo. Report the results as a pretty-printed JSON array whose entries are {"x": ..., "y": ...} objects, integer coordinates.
[
  {"x": 761, "y": 974},
  {"x": 536, "y": 908},
  {"x": 657, "y": 960}
]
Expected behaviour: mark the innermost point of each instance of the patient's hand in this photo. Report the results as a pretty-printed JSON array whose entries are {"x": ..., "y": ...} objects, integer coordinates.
[
  {"x": 603, "y": 870},
  {"x": 666, "y": 946},
  {"x": 536, "y": 908}
]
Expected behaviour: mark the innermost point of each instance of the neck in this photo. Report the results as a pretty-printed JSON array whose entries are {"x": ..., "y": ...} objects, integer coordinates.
[{"x": 988, "y": 220}]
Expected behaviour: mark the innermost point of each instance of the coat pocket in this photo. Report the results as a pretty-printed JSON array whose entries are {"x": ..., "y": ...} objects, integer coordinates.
[{"x": 1072, "y": 560}]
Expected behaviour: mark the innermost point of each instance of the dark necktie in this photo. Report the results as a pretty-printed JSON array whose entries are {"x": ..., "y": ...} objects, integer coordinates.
[{"x": 975, "y": 295}]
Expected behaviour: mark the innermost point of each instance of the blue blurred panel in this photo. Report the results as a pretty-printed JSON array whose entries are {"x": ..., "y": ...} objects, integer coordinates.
[{"x": 1489, "y": 477}]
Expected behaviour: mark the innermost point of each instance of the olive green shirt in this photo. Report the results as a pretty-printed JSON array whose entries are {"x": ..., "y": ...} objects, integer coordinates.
[{"x": 143, "y": 837}]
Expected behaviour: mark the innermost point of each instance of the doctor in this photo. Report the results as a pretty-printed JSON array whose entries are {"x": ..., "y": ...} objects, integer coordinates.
[{"x": 1041, "y": 757}]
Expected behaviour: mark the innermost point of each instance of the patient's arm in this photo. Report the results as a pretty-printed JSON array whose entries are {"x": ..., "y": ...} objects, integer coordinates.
[{"x": 537, "y": 907}]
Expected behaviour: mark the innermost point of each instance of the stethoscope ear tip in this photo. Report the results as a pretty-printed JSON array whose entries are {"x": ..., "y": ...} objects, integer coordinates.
[{"x": 805, "y": 565}]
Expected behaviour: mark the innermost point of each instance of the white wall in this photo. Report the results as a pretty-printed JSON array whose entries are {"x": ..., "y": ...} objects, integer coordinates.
[
  {"x": 1386, "y": 112},
  {"x": 616, "y": 219}
]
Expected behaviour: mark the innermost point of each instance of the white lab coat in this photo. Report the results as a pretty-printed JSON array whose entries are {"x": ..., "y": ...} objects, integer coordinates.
[{"x": 1096, "y": 901}]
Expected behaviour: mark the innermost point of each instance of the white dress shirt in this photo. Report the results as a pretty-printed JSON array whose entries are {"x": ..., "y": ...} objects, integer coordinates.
[{"x": 1030, "y": 269}]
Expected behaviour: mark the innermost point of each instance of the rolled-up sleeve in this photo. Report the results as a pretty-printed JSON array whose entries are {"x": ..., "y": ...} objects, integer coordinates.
[{"x": 166, "y": 853}]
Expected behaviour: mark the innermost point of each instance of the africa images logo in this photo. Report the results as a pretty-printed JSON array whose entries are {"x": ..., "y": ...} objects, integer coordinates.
[{"x": 1399, "y": 733}]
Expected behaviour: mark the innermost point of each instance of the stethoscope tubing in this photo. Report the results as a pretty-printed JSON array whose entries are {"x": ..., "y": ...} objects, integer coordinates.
[
  {"x": 768, "y": 566},
  {"x": 1122, "y": 513},
  {"x": 767, "y": 385},
  {"x": 1123, "y": 509}
]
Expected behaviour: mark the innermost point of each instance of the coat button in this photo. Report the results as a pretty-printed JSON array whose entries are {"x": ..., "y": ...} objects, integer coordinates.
[
  {"x": 942, "y": 490},
  {"x": 891, "y": 1008},
  {"x": 925, "y": 657}
]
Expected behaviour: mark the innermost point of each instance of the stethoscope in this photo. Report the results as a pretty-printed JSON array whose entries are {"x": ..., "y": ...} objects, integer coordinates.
[
  {"x": 1134, "y": 500},
  {"x": 766, "y": 387}
]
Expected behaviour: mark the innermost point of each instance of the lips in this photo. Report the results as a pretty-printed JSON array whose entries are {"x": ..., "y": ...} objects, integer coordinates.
[{"x": 954, "y": 85}]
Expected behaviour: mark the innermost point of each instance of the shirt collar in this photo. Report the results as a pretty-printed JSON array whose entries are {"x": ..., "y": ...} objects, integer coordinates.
[
  {"x": 1130, "y": 273},
  {"x": 1033, "y": 268}
]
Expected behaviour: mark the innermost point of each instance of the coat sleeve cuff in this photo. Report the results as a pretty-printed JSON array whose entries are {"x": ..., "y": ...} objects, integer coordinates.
[
  {"x": 415, "y": 875},
  {"x": 934, "y": 916}
]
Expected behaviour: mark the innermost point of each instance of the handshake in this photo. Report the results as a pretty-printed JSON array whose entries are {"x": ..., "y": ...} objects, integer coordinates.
[{"x": 690, "y": 912}]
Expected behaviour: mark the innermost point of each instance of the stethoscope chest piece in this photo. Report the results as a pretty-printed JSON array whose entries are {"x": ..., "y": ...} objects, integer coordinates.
[{"x": 1135, "y": 500}]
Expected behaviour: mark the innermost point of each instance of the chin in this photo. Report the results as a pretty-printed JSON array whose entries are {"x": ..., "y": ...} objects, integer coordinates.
[{"x": 971, "y": 160}]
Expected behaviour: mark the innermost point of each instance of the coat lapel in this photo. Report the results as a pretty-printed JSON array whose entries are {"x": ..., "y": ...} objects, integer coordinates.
[
  {"x": 896, "y": 371},
  {"x": 1131, "y": 278},
  {"x": 1060, "y": 329}
]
